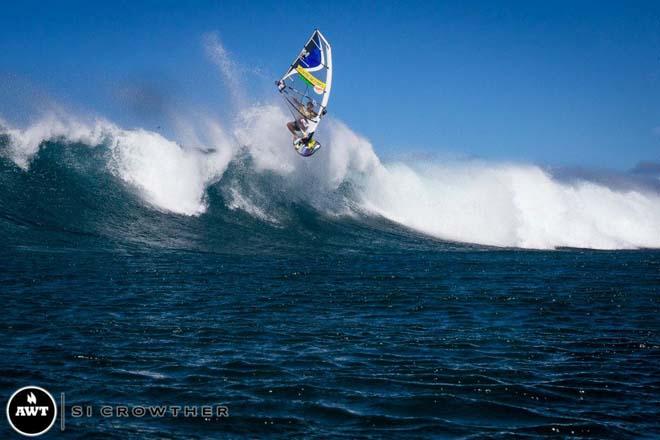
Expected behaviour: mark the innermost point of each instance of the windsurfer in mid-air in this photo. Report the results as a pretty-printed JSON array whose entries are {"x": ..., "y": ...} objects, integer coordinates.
[
  {"x": 307, "y": 78},
  {"x": 307, "y": 112}
]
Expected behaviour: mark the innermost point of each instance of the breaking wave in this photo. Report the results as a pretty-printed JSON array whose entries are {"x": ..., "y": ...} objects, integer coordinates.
[
  {"x": 508, "y": 205},
  {"x": 250, "y": 163}
]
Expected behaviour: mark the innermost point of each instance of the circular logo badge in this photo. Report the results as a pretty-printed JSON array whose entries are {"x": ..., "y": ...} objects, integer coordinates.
[{"x": 31, "y": 411}]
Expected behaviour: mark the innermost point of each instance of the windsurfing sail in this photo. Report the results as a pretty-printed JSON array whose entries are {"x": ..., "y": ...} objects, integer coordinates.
[{"x": 309, "y": 80}]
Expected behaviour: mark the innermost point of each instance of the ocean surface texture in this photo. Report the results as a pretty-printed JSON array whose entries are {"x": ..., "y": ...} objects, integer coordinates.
[{"x": 310, "y": 321}]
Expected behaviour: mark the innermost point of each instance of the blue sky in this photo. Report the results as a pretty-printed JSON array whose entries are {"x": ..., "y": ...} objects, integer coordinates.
[{"x": 558, "y": 83}]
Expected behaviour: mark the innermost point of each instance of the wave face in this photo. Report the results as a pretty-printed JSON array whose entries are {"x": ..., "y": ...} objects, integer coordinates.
[{"x": 248, "y": 167}]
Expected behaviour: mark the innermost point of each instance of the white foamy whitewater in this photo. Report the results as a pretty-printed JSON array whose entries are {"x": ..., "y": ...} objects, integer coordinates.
[
  {"x": 492, "y": 204},
  {"x": 497, "y": 204}
]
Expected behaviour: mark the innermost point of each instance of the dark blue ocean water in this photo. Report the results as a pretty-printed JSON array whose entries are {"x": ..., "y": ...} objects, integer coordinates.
[{"x": 319, "y": 327}]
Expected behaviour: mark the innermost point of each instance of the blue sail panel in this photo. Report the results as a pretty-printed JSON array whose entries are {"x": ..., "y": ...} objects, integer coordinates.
[{"x": 313, "y": 57}]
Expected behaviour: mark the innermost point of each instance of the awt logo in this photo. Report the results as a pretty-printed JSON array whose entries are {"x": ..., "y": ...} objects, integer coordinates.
[{"x": 31, "y": 411}]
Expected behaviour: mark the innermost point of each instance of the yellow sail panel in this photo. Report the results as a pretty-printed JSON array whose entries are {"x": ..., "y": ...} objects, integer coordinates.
[{"x": 319, "y": 86}]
